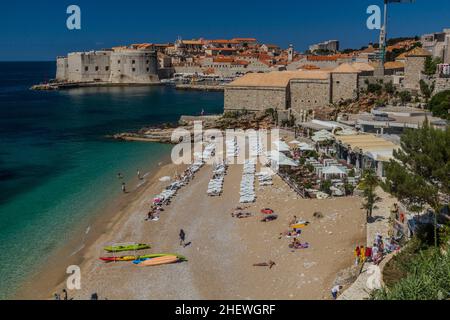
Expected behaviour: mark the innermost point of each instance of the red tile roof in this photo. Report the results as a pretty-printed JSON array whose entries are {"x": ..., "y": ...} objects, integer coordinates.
[{"x": 322, "y": 58}]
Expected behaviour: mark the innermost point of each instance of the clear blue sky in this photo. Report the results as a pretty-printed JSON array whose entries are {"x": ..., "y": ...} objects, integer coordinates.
[{"x": 36, "y": 30}]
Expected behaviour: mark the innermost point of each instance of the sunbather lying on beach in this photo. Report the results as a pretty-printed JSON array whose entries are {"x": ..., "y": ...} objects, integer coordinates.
[
  {"x": 296, "y": 244},
  {"x": 270, "y": 218},
  {"x": 269, "y": 264},
  {"x": 290, "y": 234},
  {"x": 241, "y": 215}
]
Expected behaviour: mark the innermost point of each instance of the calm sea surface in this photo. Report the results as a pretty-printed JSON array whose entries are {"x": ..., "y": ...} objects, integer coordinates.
[{"x": 56, "y": 167}]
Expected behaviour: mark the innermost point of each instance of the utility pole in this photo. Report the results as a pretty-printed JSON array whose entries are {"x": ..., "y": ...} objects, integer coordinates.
[
  {"x": 383, "y": 34},
  {"x": 383, "y": 42}
]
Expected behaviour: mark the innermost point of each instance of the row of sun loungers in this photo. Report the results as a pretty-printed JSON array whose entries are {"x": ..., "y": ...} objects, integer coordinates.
[
  {"x": 170, "y": 191},
  {"x": 209, "y": 151},
  {"x": 264, "y": 179},
  {"x": 232, "y": 147},
  {"x": 247, "y": 193},
  {"x": 215, "y": 185},
  {"x": 255, "y": 144}
]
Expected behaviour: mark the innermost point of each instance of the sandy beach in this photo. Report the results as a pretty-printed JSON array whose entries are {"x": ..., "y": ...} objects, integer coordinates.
[{"x": 223, "y": 249}]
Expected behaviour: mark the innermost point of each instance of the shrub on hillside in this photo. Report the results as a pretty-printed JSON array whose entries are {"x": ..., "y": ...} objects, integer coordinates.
[{"x": 440, "y": 105}]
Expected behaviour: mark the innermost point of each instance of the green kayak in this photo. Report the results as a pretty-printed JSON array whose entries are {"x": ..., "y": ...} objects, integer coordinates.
[{"x": 131, "y": 247}]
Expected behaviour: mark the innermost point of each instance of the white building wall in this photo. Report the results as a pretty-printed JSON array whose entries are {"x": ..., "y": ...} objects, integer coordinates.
[
  {"x": 134, "y": 66},
  {"x": 89, "y": 66},
  {"x": 62, "y": 66}
]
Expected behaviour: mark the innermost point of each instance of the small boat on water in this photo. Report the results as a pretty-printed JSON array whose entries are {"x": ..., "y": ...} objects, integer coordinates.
[{"x": 130, "y": 247}]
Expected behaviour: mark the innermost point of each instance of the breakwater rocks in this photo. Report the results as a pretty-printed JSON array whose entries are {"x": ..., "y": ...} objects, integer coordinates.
[
  {"x": 229, "y": 120},
  {"x": 149, "y": 135},
  {"x": 73, "y": 85},
  {"x": 163, "y": 133}
]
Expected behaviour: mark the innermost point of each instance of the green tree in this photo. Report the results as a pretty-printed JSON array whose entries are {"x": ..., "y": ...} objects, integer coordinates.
[
  {"x": 368, "y": 185},
  {"x": 426, "y": 90},
  {"x": 420, "y": 174},
  {"x": 375, "y": 88},
  {"x": 405, "y": 97},
  {"x": 389, "y": 87},
  {"x": 440, "y": 104},
  {"x": 272, "y": 113},
  {"x": 430, "y": 66}
]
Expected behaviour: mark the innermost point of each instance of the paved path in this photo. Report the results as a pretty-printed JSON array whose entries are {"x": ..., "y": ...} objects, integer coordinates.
[{"x": 359, "y": 290}]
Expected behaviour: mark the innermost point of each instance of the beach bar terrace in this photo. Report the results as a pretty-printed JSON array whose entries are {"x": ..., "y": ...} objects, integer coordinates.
[{"x": 365, "y": 151}]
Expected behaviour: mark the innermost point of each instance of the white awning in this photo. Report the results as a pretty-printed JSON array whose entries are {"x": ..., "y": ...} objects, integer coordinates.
[
  {"x": 281, "y": 146},
  {"x": 281, "y": 159}
]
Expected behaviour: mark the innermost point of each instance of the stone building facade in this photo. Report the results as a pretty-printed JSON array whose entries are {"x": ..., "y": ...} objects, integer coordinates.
[
  {"x": 310, "y": 94},
  {"x": 438, "y": 44},
  {"x": 298, "y": 91},
  {"x": 62, "y": 68},
  {"x": 345, "y": 84},
  {"x": 134, "y": 66},
  {"x": 256, "y": 99},
  {"x": 414, "y": 66},
  {"x": 89, "y": 66},
  {"x": 120, "y": 65}
]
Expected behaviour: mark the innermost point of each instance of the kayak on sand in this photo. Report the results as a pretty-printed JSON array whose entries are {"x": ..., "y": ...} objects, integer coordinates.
[
  {"x": 159, "y": 261},
  {"x": 131, "y": 247},
  {"x": 138, "y": 259}
]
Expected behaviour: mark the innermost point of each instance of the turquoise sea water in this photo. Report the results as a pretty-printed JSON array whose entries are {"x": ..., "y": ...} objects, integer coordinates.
[{"x": 56, "y": 167}]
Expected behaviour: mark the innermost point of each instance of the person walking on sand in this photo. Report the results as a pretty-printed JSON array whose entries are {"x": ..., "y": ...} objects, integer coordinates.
[
  {"x": 335, "y": 291},
  {"x": 124, "y": 189},
  {"x": 139, "y": 174},
  {"x": 182, "y": 236},
  {"x": 65, "y": 294}
]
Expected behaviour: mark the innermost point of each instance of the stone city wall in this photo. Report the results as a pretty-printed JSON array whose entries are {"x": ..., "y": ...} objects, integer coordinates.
[{"x": 255, "y": 99}]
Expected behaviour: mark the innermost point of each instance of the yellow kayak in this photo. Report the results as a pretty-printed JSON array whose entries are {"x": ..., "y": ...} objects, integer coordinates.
[{"x": 299, "y": 225}]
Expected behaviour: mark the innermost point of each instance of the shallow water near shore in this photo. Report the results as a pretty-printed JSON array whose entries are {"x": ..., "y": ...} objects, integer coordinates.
[{"x": 56, "y": 167}]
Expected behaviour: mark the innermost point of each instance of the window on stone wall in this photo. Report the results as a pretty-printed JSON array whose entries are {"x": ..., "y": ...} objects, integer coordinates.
[
  {"x": 86, "y": 68},
  {"x": 118, "y": 61},
  {"x": 107, "y": 68},
  {"x": 133, "y": 62},
  {"x": 134, "y": 69},
  {"x": 96, "y": 68},
  {"x": 148, "y": 69}
]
